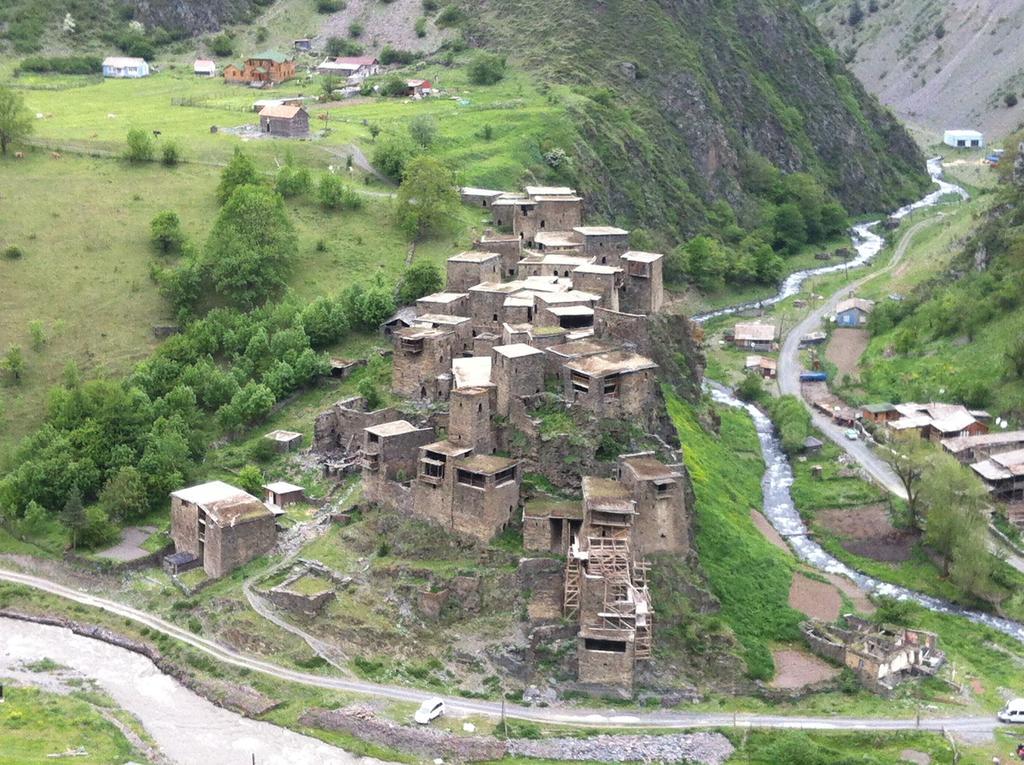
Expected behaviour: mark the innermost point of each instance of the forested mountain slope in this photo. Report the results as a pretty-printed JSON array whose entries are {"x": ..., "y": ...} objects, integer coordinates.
[{"x": 681, "y": 95}]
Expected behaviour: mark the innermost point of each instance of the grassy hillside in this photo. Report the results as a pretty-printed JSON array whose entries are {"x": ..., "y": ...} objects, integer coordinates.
[
  {"x": 679, "y": 96},
  {"x": 937, "y": 64}
]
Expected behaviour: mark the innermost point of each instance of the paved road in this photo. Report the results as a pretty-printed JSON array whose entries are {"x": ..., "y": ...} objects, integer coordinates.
[
  {"x": 789, "y": 371},
  {"x": 975, "y": 725}
]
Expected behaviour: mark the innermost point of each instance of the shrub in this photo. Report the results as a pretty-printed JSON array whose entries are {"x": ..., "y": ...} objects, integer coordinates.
[
  {"x": 421, "y": 278},
  {"x": 165, "y": 231},
  {"x": 340, "y": 46},
  {"x": 393, "y": 86},
  {"x": 293, "y": 181},
  {"x": 391, "y": 154},
  {"x": 140, "y": 146},
  {"x": 367, "y": 388},
  {"x": 329, "y": 6},
  {"x": 12, "y": 252},
  {"x": 423, "y": 130},
  {"x": 333, "y": 194},
  {"x": 222, "y": 45},
  {"x": 355, "y": 29},
  {"x": 62, "y": 64},
  {"x": 169, "y": 154},
  {"x": 1010, "y": 99},
  {"x": 421, "y": 27},
  {"x": 250, "y": 478},
  {"x": 451, "y": 16},
  {"x": 391, "y": 55},
  {"x": 486, "y": 68}
]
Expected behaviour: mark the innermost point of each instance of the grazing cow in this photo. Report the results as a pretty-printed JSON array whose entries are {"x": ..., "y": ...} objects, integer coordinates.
[
  {"x": 56, "y": 155},
  {"x": 19, "y": 155}
]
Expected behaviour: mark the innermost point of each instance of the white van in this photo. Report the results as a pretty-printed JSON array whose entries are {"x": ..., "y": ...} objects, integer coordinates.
[{"x": 1013, "y": 712}]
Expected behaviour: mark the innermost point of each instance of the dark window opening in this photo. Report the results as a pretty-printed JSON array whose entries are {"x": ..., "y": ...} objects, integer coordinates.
[
  {"x": 611, "y": 385},
  {"x": 580, "y": 382},
  {"x": 469, "y": 478},
  {"x": 613, "y": 646},
  {"x": 372, "y": 437},
  {"x": 506, "y": 475}
]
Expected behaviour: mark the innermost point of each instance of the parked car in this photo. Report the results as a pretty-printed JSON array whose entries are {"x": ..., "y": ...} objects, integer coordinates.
[
  {"x": 851, "y": 434},
  {"x": 1012, "y": 712},
  {"x": 429, "y": 710}
]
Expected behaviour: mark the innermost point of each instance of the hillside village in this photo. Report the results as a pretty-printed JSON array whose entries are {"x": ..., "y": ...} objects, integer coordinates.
[{"x": 386, "y": 391}]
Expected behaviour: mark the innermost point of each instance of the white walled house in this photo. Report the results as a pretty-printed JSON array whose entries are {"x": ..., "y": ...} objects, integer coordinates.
[
  {"x": 125, "y": 66},
  {"x": 963, "y": 139}
]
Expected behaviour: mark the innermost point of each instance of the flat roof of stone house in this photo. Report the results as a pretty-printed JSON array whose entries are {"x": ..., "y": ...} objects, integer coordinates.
[
  {"x": 614, "y": 362},
  {"x": 534, "y": 191},
  {"x": 550, "y": 507},
  {"x": 554, "y": 259},
  {"x": 557, "y": 239},
  {"x": 472, "y": 372},
  {"x": 600, "y": 231},
  {"x": 282, "y": 435},
  {"x": 607, "y": 495},
  {"x": 572, "y": 296},
  {"x": 547, "y": 283},
  {"x": 440, "y": 318},
  {"x": 572, "y": 310},
  {"x": 443, "y": 297},
  {"x": 225, "y": 505},
  {"x": 517, "y": 350},
  {"x": 393, "y": 428},
  {"x": 473, "y": 256},
  {"x": 754, "y": 331},
  {"x": 282, "y": 487},
  {"x": 546, "y": 331},
  {"x": 496, "y": 237},
  {"x": 418, "y": 333},
  {"x": 485, "y": 463},
  {"x": 448, "y": 448},
  {"x": 595, "y": 268},
  {"x": 508, "y": 201},
  {"x": 641, "y": 257},
  {"x": 475, "y": 192},
  {"x": 577, "y": 348},
  {"x": 558, "y": 198},
  {"x": 498, "y": 287},
  {"x": 520, "y": 300},
  {"x": 647, "y": 468}
]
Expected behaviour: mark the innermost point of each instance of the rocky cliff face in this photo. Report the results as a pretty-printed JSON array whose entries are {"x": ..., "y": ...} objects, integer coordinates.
[
  {"x": 192, "y": 17},
  {"x": 679, "y": 94},
  {"x": 937, "y": 63}
]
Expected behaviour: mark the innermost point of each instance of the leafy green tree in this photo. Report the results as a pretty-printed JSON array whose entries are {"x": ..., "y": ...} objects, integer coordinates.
[
  {"x": 13, "y": 364},
  {"x": 251, "y": 403},
  {"x": 98, "y": 530},
  {"x": 423, "y": 130},
  {"x": 705, "y": 262},
  {"x": 140, "y": 146},
  {"x": 956, "y": 525},
  {"x": 251, "y": 246},
  {"x": 428, "y": 199},
  {"x": 1015, "y": 354},
  {"x": 222, "y": 45},
  {"x": 789, "y": 228},
  {"x": 333, "y": 194},
  {"x": 767, "y": 264},
  {"x": 394, "y": 86},
  {"x": 375, "y": 305},
  {"x": 15, "y": 120},
  {"x": 251, "y": 479},
  {"x": 38, "y": 333},
  {"x": 170, "y": 154},
  {"x": 34, "y": 521},
  {"x": 910, "y": 459},
  {"x": 239, "y": 171},
  {"x": 391, "y": 155},
  {"x": 72, "y": 516},
  {"x": 166, "y": 457},
  {"x": 367, "y": 388},
  {"x": 324, "y": 321},
  {"x": 486, "y": 68},
  {"x": 328, "y": 84},
  {"x": 166, "y": 232},
  {"x": 421, "y": 278},
  {"x": 293, "y": 181},
  {"x": 124, "y": 495}
]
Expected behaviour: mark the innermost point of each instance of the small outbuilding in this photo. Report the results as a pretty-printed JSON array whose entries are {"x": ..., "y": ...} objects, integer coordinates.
[
  {"x": 853, "y": 312},
  {"x": 963, "y": 139},
  {"x": 203, "y": 67},
  {"x": 284, "y": 440},
  {"x": 281, "y": 494},
  {"x": 763, "y": 366},
  {"x": 284, "y": 121},
  {"x": 755, "y": 336},
  {"x": 125, "y": 67},
  {"x": 418, "y": 88}
]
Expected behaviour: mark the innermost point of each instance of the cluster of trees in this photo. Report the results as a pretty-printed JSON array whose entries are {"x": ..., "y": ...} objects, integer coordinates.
[
  {"x": 16, "y": 122},
  {"x": 127, "y": 444},
  {"x": 949, "y": 505},
  {"x": 61, "y": 64},
  {"x": 794, "y": 211},
  {"x": 792, "y": 420}
]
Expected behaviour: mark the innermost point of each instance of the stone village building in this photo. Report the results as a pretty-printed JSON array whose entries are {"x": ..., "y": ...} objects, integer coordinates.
[{"x": 222, "y": 526}]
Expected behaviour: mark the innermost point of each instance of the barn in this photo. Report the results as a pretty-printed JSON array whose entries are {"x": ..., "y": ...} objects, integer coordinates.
[{"x": 284, "y": 121}]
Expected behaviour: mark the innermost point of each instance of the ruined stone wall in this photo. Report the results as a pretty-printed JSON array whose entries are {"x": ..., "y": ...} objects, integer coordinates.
[
  {"x": 662, "y": 523},
  {"x": 536, "y": 533},
  {"x": 344, "y": 423},
  {"x": 484, "y": 342},
  {"x": 605, "y": 667},
  {"x": 185, "y": 526},
  {"x": 433, "y": 502},
  {"x": 399, "y": 454}
]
